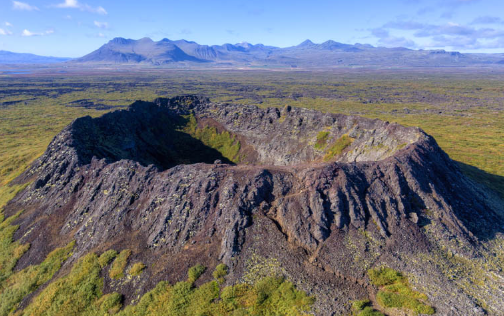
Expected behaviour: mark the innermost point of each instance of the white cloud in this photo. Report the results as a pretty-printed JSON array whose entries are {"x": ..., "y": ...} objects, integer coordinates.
[
  {"x": 101, "y": 25},
  {"x": 101, "y": 10},
  {"x": 8, "y": 24},
  {"x": 27, "y": 33},
  {"x": 74, "y": 4},
  {"x": 101, "y": 35},
  {"x": 17, "y": 5},
  {"x": 68, "y": 4},
  {"x": 68, "y": 17},
  {"x": 5, "y": 32}
]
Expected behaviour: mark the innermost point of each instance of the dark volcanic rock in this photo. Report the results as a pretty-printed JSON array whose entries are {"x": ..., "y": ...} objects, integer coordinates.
[{"x": 135, "y": 179}]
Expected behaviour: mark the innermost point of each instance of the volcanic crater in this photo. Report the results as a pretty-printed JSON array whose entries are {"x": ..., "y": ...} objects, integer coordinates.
[{"x": 323, "y": 196}]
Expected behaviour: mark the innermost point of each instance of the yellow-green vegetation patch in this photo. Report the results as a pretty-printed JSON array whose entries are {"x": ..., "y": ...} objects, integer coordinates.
[
  {"x": 137, "y": 269},
  {"x": 321, "y": 141},
  {"x": 395, "y": 291},
  {"x": 10, "y": 250},
  {"x": 224, "y": 142},
  {"x": 337, "y": 148},
  {"x": 119, "y": 264},
  {"x": 220, "y": 272},
  {"x": 107, "y": 257},
  {"x": 24, "y": 282},
  {"x": 195, "y": 272},
  {"x": 269, "y": 296},
  {"x": 364, "y": 308},
  {"x": 78, "y": 293},
  {"x": 7, "y": 192}
]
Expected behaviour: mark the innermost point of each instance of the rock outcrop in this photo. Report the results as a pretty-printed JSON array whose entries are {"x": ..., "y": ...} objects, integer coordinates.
[{"x": 318, "y": 197}]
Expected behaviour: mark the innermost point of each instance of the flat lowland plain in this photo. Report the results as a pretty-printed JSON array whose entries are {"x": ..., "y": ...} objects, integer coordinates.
[{"x": 462, "y": 108}]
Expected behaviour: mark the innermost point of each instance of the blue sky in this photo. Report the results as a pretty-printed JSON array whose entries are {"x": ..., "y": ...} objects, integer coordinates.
[{"x": 72, "y": 28}]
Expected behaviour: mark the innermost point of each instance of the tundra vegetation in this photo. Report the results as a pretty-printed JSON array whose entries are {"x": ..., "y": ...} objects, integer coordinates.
[{"x": 80, "y": 291}]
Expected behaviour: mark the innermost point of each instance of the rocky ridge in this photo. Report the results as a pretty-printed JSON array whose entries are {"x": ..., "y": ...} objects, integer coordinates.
[{"x": 317, "y": 197}]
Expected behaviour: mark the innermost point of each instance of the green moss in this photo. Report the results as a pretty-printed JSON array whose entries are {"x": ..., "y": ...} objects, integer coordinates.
[
  {"x": 395, "y": 300},
  {"x": 363, "y": 308},
  {"x": 10, "y": 250},
  {"x": 224, "y": 142},
  {"x": 107, "y": 257},
  {"x": 369, "y": 311},
  {"x": 137, "y": 269},
  {"x": 270, "y": 296},
  {"x": 31, "y": 278},
  {"x": 359, "y": 305},
  {"x": 384, "y": 276},
  {"x": 108, "y": 304},
  {"x": 77, "y": 293},
  {"x": 195, "y": 272},
  {"x": 395, "y": 291},
  {"x": 337, "y": 148},
  {"x": 321, "y": 142},
  {"x": 7, "y": 192},
  {"x": 220, "y": 272},
  {"x": 119, "y": 264}
]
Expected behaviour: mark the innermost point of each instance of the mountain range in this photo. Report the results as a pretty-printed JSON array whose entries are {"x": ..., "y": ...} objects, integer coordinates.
[
  {"x": 305, "y": 55},
  {"x": 22, "y": 58},
  {"x": 183, "y": 53}
]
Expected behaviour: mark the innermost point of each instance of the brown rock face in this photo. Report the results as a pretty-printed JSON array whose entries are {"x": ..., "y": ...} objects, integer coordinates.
[{"x": 325, "y": 197}]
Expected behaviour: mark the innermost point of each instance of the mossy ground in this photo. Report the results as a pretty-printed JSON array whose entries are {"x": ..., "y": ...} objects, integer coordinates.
[
  {"x": 321, "y": 141},
  {"x": 80, "y": 291},
  {"x": 395, "y": 292},
  {"x": 363, "y": 308},
  {"x": 269, "y": 296},
  {"x": 337, "y": 147},
  {"x": 15, "y": 286},
  {"x": 224, "y": 142},
  {"x": 136, "y": 269},
  {"x": 119, "y": 264}
]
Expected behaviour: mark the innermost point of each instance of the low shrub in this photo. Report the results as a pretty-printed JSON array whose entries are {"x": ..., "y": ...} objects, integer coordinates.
[
  {"x": 77, "y": 293},
  {"x": 337, "y": 148},
  {"x": 220, "y": 272},
  {"x": 395, "y": 291},
  {"x": 137, "y": 269},
  {"x": 107, "y": 257},
  {"x": 195, "y": 272},
  {"x": 384, "y": 276},
  {"x": 321, "y": 141},
  {"x": 31, "y": 278},
  {"x": 117, "y": 269}
]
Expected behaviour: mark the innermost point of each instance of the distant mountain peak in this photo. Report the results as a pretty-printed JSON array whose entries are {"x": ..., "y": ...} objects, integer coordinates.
[
  {"x": 121, "y": 41},
  {"x": 244, "y": 45},
  {"x": 145, "y": 39},
  {"x": 306, "y": 43}
]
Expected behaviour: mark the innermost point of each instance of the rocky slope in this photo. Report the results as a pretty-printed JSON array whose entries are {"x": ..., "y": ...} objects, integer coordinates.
[{"x": 319, "y": 198}]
